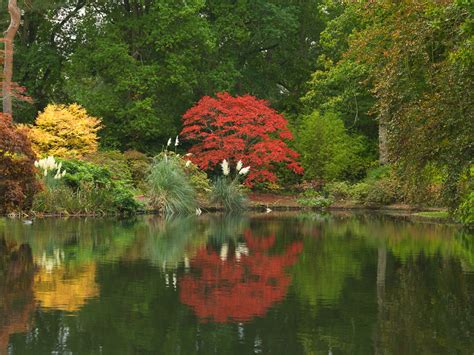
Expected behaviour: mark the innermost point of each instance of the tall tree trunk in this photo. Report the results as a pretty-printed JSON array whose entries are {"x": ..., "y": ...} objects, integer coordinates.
[
  {"x": 383, "y": 137},
  {"x": 15, "y": 17}
]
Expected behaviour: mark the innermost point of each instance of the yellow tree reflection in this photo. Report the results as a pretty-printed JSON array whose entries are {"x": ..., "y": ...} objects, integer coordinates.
[{"x": 64, "y": 288}]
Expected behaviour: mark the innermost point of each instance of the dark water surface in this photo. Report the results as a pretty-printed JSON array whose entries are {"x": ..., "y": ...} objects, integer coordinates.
[{"x": 276, "y": 283}]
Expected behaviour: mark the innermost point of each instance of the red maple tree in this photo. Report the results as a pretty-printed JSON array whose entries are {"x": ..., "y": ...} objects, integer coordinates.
[
  {"x": 18, "y": 182},
  {"x": 239, "y": 128},
  {"x": 238, "y": 290}
]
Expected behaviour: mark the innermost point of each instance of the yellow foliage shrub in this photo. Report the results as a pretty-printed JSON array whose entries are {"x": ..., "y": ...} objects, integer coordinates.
[{"x": 65, "y": 131}]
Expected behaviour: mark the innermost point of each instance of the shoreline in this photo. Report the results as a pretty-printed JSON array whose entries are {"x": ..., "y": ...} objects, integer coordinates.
[{"x": 432, "y": 214}]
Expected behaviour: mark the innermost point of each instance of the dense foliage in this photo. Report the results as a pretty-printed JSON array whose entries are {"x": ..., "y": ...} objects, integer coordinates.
[
  {"x": 239, "y": 128},
  {"x": 138, "y": 164},
  {"x": 116, "y": 162},
  {"x": 328, "y": 151},
  {"x": 413, "y": 78},
  {"x": 65, "y": 131},
  {"x": 86, "y": 188},
  {"x": 362, "y": 84},
  {"x": 141, "y": 64},
  {"x": 17, "y": 172},
  {"x": 422, "y": 74}
]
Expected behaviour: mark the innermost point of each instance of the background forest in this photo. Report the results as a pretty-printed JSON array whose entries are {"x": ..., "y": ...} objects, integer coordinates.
[{"x": 378, "y": 94}]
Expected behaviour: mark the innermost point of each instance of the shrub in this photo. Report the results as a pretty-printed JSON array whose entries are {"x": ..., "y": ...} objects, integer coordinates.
[
  {"x": 115, "y": 162},
  {"x": 465, "y": 211},
  {"x": 378, "y": 172},
  {"x": 359, "y": 192},
  {"x": 64, "y": 131},
  {"x": 339, "y": 190},
  {"x": 384, "y": 191},
  {"x": 427, "y": 186},
  {"x": 17, "y": 172},
  {"x": 287, "y": 180},
  {"x": 124, "y": 200},
  {"x": 86, "y": 188},
  {"x": 79, "y": 172},
  {"x": 169, "y": 187},
  {"x": 327, "y": 151},
  {"x": 312, "y": 198},
  {"x": 197, "y": 177},
  {"x": 239, "y": 128},
  {"x": 139, "y": 165}
]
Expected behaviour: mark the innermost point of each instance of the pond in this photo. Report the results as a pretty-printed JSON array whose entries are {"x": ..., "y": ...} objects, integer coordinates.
[{"x": 287, "y": 283}]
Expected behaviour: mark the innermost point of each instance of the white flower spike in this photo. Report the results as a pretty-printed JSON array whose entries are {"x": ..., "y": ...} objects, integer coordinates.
[
  {"x": 239, "y": 165},
  {"x": 225, "y": 167},
  {"x": 244, "y": 171},
  {"x": 176, "y": 141},
  {"x": 49, "y": 164},
  {"x": 169, "y": 143}
]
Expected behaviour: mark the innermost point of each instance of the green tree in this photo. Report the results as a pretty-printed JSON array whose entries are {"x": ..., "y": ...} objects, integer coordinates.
[
  {"x": 138, "y": 67},
  {"x": 422, "y": 72},
  {"x": 42, "y": 46},
  {"x": 327, "y": 150},
  {"x": 408, "y": 83},
  {"x": 339, "y": 84},
  {"x": 141, "y": 64}
]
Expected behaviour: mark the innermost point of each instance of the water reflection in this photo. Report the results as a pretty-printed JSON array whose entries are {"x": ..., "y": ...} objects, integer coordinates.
[
  {"x": 288, "y": 283},
  {"x": 240, "y": 281},
  {"x": 65, "y": 288},
  {"x": 16, "y": 293}
]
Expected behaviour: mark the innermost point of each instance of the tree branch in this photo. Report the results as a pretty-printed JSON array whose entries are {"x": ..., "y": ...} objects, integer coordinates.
[{"x": 57, "y": 28}]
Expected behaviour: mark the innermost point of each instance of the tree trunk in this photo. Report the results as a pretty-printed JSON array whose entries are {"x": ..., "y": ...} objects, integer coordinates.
[
  {"x": 15, "y": 17},
  {"x": 383, "y": 137}
]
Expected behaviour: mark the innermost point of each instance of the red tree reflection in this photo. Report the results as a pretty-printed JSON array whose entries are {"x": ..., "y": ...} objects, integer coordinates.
[{"x": 241, "y": 286}]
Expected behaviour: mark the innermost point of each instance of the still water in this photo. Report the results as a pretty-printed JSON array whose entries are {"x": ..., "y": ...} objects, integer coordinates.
[{"x": 272, "y": 284}]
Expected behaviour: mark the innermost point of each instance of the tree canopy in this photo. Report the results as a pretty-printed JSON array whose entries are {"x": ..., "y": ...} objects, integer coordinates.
[
  {"x": 398, "y": 75},
  {"x": 140, "y": 65}
]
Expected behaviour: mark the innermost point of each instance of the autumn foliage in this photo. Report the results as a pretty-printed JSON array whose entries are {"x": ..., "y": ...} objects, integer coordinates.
[
  {"x": 65, "y": 131},
  {"x": 239, "y": 128},
  {"x": 240, "y": 287},
  {"x": 17, "y": 172}
]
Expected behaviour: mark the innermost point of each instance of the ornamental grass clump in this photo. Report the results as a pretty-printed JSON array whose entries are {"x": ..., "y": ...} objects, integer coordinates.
[
  {"x": 170, "y": 189},
  {"x": 51, "y": 171},
  {"x": 228, "y": 192}
]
